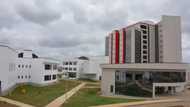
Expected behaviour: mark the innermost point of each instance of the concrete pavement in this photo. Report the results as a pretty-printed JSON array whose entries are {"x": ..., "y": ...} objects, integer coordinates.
[
  {"x": 60, "y": 100},
  {"x": 17, "y": 103}
]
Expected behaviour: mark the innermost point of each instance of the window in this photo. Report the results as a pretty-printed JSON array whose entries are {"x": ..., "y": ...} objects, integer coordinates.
[
  {"x": 18, "y": 77},
  {"x": 70, "y": 63},
  {"x": 144, "y": 41},
  {"x": 25, "y": 76},
  {"x": 66, "y": 63},
  {"x": 54, "y": 67},
  {"x": 74, "y": 69},
  {"x": 74, "y": 63},
  {"x": 144, "y": 52},
  {"x": 66, "y": 68},
  {"x": 72, "y": 74},
  {"x": 143, "y": 26},
  {"x": 22, "y": 77},
  {"x": 144, "y": 57},
  {"x": 70, "y": 69},
  {"x": 144, "y": 47},
  {"x": 26, "y": 66},
  {"x": 29, "y": 76},
  {"x": 47, "y": 77},
  {"x": 111, "y": 88},
  {"x": 54, "y": 77},
  {"x": 29, "y": 66},
  {"x": 19, "y": 65},
  {"x": 47, "y": 67},
  {"x": 34, "y": 56},
  {"x": 22, "y": 66},
  {"x": 144, "y": 37},
  {"x": 144, "y": 61},
  {"x": 144, "y": 31},
  {"x": 20, "y": 55}
]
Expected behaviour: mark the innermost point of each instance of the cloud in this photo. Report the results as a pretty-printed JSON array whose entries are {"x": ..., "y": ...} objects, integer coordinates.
[
  {"x": 38, "y": 12},
  {"x": 79, "y": 27}
]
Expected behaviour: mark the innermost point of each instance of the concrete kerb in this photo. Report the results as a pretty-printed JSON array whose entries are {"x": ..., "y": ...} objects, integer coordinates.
[
  {"x": 140, "y": 103},
  {"x": 60, "y": 100}
]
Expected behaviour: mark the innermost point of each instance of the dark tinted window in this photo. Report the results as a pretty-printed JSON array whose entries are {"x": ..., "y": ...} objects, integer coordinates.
[
  {"x": 47, "y": 77},
  {"x": 47, "y": 67},
  {"x": 20, "y": 55}
]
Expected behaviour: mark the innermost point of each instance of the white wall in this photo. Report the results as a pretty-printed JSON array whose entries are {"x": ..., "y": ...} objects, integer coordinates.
[
  {"x": 171, "y": 34},
  {"x": 16, "y": 70},
  {"x": 87, "y": 68},
  {"x": 7, "y": 56}
]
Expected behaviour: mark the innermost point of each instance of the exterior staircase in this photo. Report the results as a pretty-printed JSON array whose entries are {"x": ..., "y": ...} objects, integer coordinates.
[{"x": 143, "y": 87}]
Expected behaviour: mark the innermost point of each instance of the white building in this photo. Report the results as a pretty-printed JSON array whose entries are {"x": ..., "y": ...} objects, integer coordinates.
[
  {"x": 84, "y": 67},
  {"x": 24, "y": 66}
]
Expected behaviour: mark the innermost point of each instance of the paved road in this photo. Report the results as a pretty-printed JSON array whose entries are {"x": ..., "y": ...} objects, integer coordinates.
[{"x": 176, "y": 104}]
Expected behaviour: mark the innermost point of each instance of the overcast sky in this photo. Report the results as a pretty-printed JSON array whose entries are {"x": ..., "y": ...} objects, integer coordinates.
[{"x": 78, "y": 27}]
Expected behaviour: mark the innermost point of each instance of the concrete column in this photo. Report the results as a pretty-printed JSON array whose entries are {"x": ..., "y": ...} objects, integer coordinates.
[
  {"x": 153, "y": 91},
  {"x": 133, "y": 76}
]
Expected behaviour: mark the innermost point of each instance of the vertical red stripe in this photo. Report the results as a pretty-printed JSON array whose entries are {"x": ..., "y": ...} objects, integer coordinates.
[
  {"x": 116, "y": 47},
  {"x": 124, "y": 42}
]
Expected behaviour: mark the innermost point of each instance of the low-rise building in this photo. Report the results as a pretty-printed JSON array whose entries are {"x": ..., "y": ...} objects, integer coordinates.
[
  {"x": 83, "y": 67},
  {"x": 24, "y": 66}
]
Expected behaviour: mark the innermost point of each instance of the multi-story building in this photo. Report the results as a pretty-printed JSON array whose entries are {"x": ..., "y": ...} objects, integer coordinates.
[
  {"x": 24, "y": 66},
  {"x": 83, "y": 67},
  {"x": 148, "y": 54}
]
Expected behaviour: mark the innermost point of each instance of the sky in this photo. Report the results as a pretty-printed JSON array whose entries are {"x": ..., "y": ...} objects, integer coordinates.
[{"x": 61, "y": 28}]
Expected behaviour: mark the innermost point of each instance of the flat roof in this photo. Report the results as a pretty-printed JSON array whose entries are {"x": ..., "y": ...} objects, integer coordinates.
[{"x": 148, "y": 66}]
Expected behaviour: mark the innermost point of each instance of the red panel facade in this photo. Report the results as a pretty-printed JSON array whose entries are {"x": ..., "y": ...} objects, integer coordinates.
[{"x": 116, "y": 47}]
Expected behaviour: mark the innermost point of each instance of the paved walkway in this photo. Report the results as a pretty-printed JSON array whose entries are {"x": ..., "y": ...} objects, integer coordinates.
[
  {"x": 17, "y": 103},
  {"x": 60, "y": 100},
  {"x": 138, "y": 104}
]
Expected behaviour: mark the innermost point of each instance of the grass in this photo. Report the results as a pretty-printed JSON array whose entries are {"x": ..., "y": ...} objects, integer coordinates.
[
  {"x": 5, "y": 104},
  {"x": 40, "y": 96},
  {"x": 90, "y": 97}
]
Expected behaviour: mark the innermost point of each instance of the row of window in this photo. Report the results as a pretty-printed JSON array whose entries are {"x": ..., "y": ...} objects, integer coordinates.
[
  {"x": 70, "y": 69},
  {"x": 49, "y": 66},
  {"x": 21, "y": 55},
  {"x": 24, "y": 66},
  {"x": 70, "y": 63},
  {"x": 24, "y": 77},
  {"x": 49, "y": 77}
]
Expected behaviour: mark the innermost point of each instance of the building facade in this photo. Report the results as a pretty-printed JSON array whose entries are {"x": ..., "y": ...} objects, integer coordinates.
[
  {"x": 83, "y": 67},
  {"x": 146, "y": 42},
  {"x": 146, "y": 55},
  {"x": 24, "y": 66}
]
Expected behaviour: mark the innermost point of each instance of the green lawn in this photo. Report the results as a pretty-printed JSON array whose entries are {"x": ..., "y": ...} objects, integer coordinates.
[
  {"x": 40, "y": 96},
  {"x": 90, "y": 97}
]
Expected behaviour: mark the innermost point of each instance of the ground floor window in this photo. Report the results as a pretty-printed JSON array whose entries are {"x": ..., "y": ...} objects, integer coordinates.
[
  {"x": 54, "y": 77},
  {"x": 47, "y": 77},
  {"x": 139, "y": 83},
  {"x": 72, "y": 74}
]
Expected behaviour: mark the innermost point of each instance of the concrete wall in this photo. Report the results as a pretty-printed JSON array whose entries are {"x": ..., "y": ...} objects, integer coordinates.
[
  {"x": 108, "y": 79},
  {"x": 7, "y": 67},
  {"x": 170, "y": 27}
]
